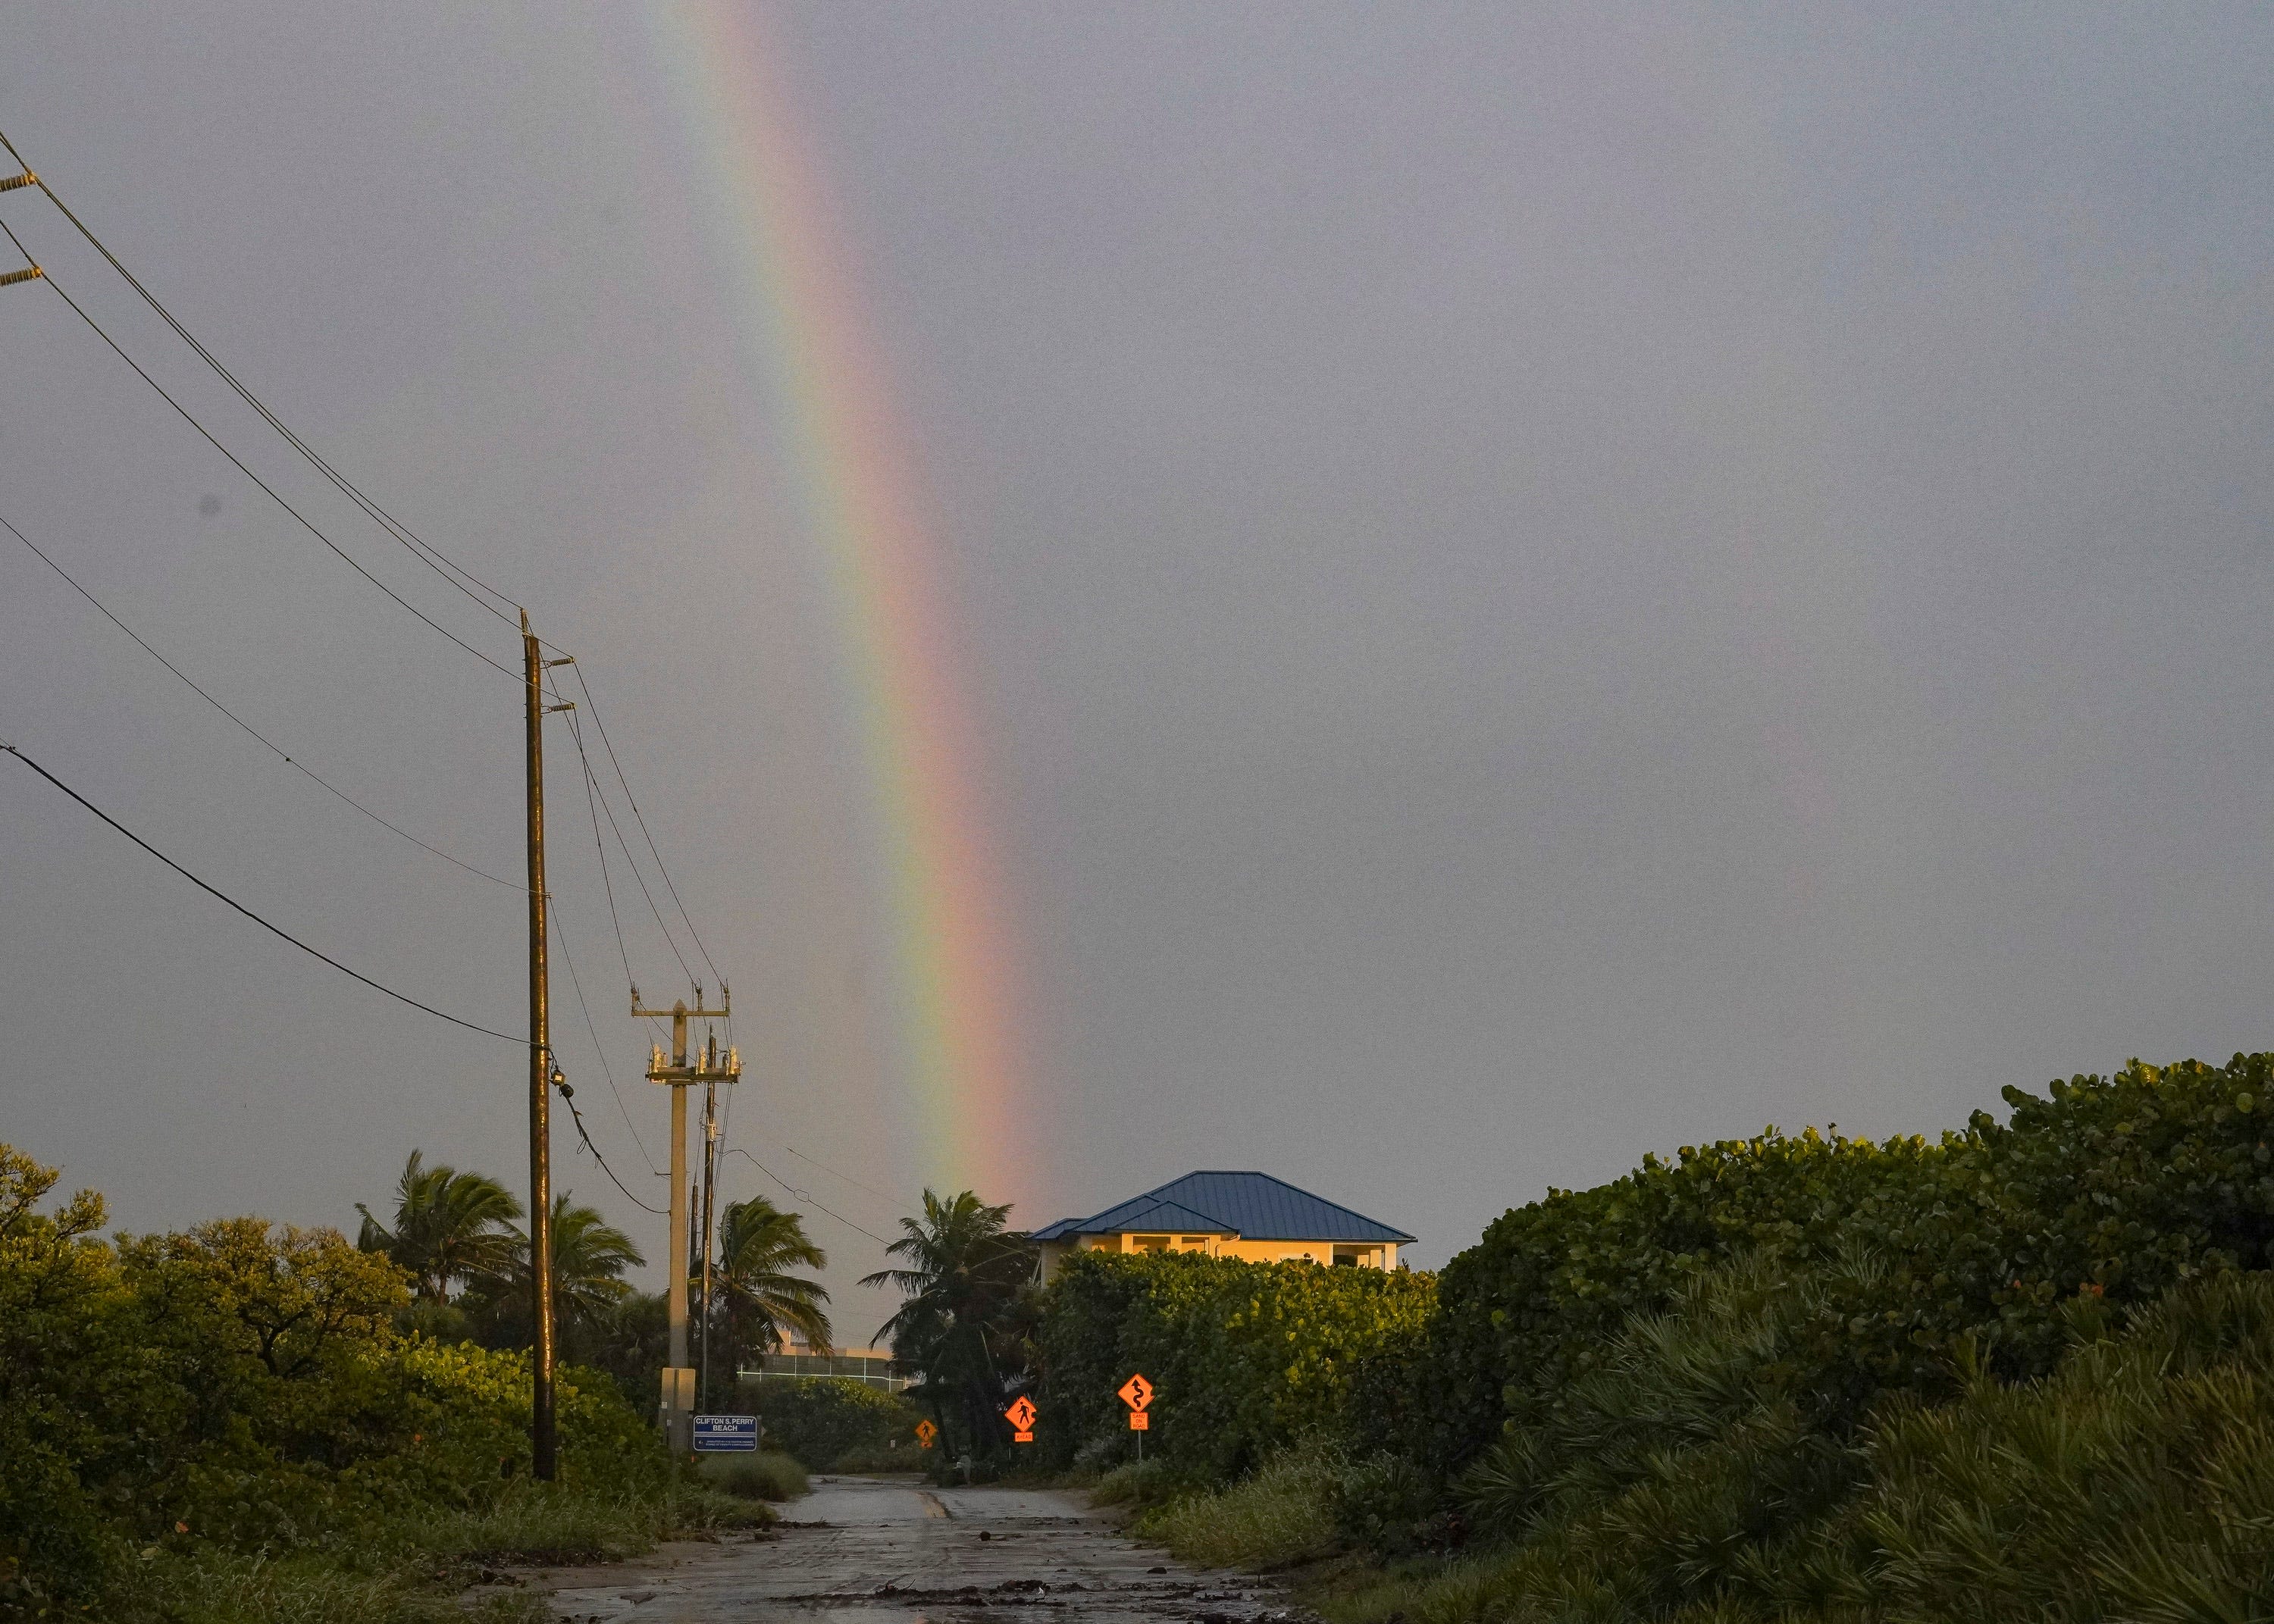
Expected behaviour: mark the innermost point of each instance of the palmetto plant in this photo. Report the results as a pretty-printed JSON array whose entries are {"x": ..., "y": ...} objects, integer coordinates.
[
  {"x": 757, "y": 1296},
  {"x": 450, "y": 1228},
  {"x": 963, "y": 1273}
]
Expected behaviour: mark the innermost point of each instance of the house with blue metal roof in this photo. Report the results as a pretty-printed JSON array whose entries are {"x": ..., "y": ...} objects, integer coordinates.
[{"x": 1250, "y": 1216}]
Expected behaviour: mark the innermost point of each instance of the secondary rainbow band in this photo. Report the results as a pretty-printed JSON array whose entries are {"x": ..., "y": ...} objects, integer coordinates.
[{"x": 804, "y": 336}]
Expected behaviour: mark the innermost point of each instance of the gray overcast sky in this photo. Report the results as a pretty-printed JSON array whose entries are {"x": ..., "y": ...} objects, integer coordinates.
[{"x": 1541, "y": 583}]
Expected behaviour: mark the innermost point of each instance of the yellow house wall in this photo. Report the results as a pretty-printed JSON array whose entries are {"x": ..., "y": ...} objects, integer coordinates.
[
  {"x": 1384, "y": 1257},
  {"x": 1296, "y": 1252},
  {"x": 1245, "y": 1251}
]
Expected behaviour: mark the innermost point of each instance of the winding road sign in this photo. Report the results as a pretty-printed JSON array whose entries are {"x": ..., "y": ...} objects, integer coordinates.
[
  {"x": 1021, "y": 1417},
  {"x": 1137, "y": 1393}
]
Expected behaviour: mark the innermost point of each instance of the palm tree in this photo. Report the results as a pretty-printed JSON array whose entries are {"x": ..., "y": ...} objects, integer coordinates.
[
  {"x": 590, "y": 1256},
  {"x": 450, "y": 1228},
  {"x": 965, "y": 1272},
  {"x": 758, "y": 1297}
]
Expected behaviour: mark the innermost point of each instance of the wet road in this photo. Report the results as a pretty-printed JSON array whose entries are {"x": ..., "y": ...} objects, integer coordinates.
[{"x": 869, "y": 1551}]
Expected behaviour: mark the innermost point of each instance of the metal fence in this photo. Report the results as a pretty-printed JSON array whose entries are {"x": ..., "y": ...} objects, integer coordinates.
[{"x": 873, "y": 1369}]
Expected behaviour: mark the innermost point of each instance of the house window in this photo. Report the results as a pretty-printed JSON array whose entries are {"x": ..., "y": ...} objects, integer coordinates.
[
  {"x": 1353, "y": 1257},
  {"x": 1149, "y": 1243}
]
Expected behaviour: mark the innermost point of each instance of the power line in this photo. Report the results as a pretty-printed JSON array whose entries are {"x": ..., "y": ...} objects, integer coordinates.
[
  {"x": 265, "y": 741},
  {"x": 848, "y": 1178},
  {"x": 248, "y": 912},
  {"x": 607, "y": 885},
  {"x": 305, "y": 523},
  {"x": 577, "y": 1117},
  {"x": 455, "y": 574},
  {"x": 804, "y": 1195},
  {"x": 463, "y": 580},
  {"x": 593, "y": 706},
  {"x": 577, "y": 983},
  {"x": 592, "y": 781}
]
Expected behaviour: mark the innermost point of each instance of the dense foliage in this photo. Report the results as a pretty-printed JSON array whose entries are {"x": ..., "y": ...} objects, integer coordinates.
[
  {"x": 828, "y": 1423},
  {"x": 2124, "y": 1185},
  {"x": 1680, "y": 1484},
  {"x": 1244, "y": 1358},
  {"x": 239, "y": 1387},
  {"x": 2026, "y": 1370}
]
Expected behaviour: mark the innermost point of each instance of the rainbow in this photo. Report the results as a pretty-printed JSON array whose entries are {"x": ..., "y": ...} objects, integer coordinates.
[{"x": 805, "y": 338}]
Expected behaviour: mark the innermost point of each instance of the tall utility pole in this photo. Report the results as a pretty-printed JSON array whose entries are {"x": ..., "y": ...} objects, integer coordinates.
[
  {"x": 679, "y": 1077},
  {"x": 541, "y": 1443},
  {"x": 710, "y": 1170},
  {"x": 540, "y": 1078}
]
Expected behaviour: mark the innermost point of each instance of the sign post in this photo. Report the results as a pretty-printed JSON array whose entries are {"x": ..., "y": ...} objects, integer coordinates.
[
  {"x": 1137, "y": 1393},
  {"x": 726, "y": 1434},
  {"x": 1021, "y": 1417}
]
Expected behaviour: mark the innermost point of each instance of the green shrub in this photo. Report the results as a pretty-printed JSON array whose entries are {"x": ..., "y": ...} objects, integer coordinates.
[
  {"x": 1676, "y": 1484},
  {"x": 824, "y": 1421},
  {"x": 1244, "y": 1358},
  {"x": 765, "y": 1475},
  {"x": 1142, "y": 1484},
  {"x": 2127, "y": 1185},
  {"x": 173, "y": 1403}
]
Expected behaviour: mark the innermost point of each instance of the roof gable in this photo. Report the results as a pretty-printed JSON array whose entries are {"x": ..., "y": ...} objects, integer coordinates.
[{"x": 1252, "y": 1206}]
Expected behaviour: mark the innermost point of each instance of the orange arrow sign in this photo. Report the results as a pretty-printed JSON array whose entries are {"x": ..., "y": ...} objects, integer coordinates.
[
  {"x": 1021, "y": 1417},
  {"x": 925, "y": 1432},
  {"x": 1137, "y": 1393}
]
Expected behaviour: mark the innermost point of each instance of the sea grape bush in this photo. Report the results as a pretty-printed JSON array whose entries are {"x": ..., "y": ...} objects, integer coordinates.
[
  {"x": 242, "y": 1386},
  {"x": 1245, "y": 1356},
  {"x": 2114, "y": 1187}
]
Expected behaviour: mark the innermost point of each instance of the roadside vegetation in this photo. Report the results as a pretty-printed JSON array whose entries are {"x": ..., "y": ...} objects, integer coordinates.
[
  {"x": 2024, "y": 1371},
  {"x": 246, "y": 1422},
  {"x": 835, "y": 1426},
  {"x": 768, "y": 1474}
]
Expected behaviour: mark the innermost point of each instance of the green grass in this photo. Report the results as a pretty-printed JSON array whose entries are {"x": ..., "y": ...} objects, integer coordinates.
[
  {"x": 762, "y": 1476},
  {"x": 1283, "y": 1515},
  {"x": 223, "y": 1587},
  {"x": 415, "y": 1569},
  {"x": 1141, "y": 1486}
]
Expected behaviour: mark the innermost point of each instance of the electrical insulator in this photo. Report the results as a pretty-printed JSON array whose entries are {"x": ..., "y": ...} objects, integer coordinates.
[
  {"x": 30, "y": 272},
  {"x": 13, "y": 181}
]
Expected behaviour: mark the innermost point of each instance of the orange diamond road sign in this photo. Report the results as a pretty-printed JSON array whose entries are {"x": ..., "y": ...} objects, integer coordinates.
[
  {"x": 1021, "y": 1417},
  {"x": 1137, "y": 1393},
  {"x": 925, "y": 1432}
]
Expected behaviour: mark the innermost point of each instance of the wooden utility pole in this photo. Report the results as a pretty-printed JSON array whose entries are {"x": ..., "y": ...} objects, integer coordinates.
[
  {"x": 540, "y": 1078},
  {"x": 542, "y": 1453},
  {"x": 679, "y": 1077}
]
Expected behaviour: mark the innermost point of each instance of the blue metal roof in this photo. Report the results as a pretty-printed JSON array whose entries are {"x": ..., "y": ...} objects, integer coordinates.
[{"x": 1252, "y": 1206}]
